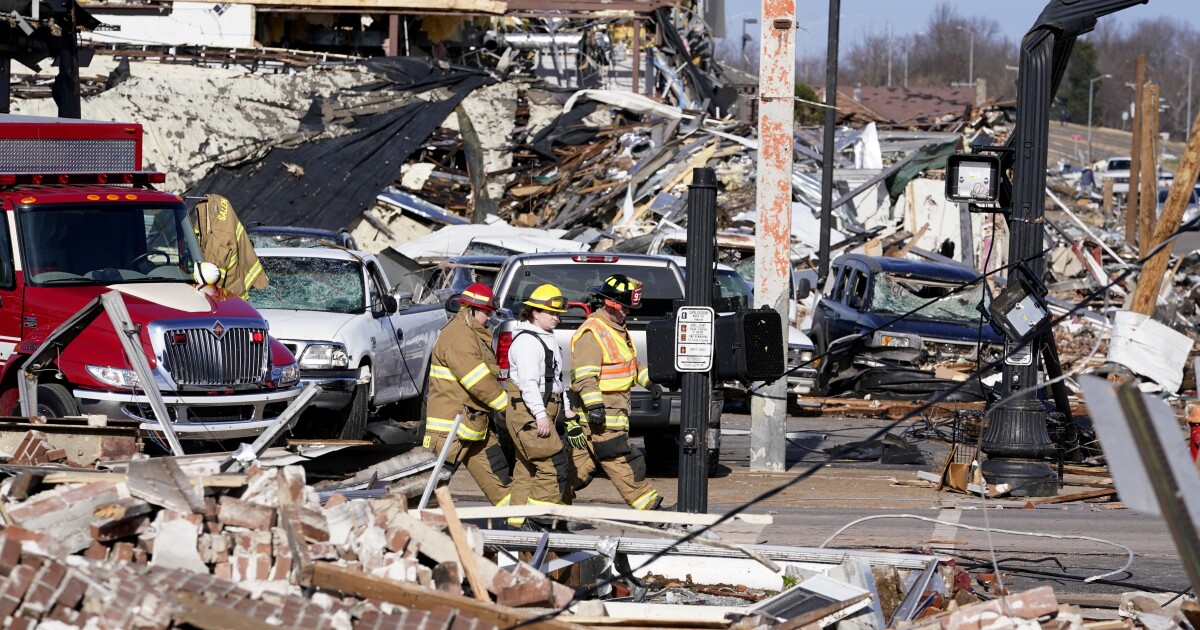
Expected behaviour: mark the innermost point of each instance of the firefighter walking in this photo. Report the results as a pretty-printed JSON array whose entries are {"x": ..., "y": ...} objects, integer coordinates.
[
  {"x": 604, "y": 368},
  {"x": 462, "y": 380},
  {"x": 535, "y": 389}
]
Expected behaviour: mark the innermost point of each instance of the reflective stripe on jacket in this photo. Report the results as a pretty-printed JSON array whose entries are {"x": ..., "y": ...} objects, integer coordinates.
[
  {"x": 462, "y": 379},
  {"x": 605, "y": 367}
]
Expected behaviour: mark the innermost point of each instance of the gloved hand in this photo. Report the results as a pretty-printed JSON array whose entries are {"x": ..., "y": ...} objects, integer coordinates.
[
  {"x": 595, "y": 415},
  {"x": 655, "y": 391},
  {"x": 575, "y": 437}
]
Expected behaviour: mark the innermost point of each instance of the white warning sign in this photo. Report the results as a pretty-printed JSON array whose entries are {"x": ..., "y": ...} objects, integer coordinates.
[{"x": 695, "y": 330}]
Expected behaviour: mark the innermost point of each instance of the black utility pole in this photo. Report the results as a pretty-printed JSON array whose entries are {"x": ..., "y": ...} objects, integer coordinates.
[
  {"x": 1017, "y": 441},
  {"x": 5, "y": 84},
  {"x": 66, "y": 85},
  {"x": 697, "y": 386},
  {"x": 827, "y": 157}
]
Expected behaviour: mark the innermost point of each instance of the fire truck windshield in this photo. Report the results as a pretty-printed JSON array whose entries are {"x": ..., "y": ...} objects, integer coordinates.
[{"x": 106, "y": 243}]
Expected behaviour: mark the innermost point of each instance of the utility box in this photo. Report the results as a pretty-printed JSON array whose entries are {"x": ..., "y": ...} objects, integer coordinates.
[{"x": 750, "y": 347}]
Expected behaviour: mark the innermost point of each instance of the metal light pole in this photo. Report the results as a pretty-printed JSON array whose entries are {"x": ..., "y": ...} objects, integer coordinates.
[
  {"x": 971, "y": 56},
  {"x": 1017, "y": 441},
  {"x": 745, "y": 39},
  {"x": 1188, "y": 122},
  {"x": 1091, "y": 88}
]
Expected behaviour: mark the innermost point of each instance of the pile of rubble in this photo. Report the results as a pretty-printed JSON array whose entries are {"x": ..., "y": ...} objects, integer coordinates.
[{"x": 174, "y": 542}]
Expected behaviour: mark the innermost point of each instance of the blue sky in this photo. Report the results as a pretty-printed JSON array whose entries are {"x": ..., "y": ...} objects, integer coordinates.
[{"x": 1015, "y": 17}]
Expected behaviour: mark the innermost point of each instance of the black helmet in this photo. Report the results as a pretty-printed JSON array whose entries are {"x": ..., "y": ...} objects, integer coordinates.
[{"x": 620, "y": 289}]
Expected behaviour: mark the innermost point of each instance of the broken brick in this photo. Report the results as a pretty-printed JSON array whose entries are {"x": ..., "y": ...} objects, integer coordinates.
[
  {"x": 241, "y": 513},
  {"x": 448, "y": 577},
  {"x": 32, "y": 450}
]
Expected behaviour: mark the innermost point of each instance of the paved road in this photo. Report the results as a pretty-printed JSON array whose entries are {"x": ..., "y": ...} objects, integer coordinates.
[
  {"x": 807, "y": 512},
  {"x": 1105, "y": 143}
]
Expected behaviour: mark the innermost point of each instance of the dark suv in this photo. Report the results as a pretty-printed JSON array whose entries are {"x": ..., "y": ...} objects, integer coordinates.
[{"x": 857, "y": 320}]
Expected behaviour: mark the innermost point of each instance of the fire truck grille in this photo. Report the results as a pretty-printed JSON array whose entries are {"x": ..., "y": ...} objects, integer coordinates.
[
  {"x": 203, "y": 359},
  {"x": 68, "y": 156}
]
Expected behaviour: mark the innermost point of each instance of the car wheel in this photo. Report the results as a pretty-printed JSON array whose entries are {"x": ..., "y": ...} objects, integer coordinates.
[
  {"x": 352, "y": 420},
  {"x": 54, "y": 401}
]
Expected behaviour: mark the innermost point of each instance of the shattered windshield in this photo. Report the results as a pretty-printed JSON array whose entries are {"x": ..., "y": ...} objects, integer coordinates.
[
  {"x": 107, "y": 243},
  {"x": 311, "y": 284},
  {"x": 897, "y": 295}
]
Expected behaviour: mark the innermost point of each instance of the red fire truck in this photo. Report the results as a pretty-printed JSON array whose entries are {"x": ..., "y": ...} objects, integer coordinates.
[{"x": 81, "y": 218}]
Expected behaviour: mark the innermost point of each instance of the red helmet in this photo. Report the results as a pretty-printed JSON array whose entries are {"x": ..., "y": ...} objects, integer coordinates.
[{"x": 478, "y": 295}]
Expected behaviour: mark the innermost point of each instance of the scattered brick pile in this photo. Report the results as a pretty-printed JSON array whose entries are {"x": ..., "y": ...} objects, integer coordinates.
[
  {"x": 79, "y": 551},
  {"x": 113, "y": 594}
]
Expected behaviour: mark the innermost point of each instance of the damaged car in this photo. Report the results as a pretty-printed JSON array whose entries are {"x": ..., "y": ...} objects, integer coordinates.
[{"x": 901, "y": 327}]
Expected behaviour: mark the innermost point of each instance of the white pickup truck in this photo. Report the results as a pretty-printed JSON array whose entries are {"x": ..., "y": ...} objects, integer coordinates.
[
  {"x": 366, "y": 345},
  {"x": 657, "y": 421}
]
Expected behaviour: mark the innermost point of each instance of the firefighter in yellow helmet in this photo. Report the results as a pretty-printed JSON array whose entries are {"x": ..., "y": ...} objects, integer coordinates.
[
  {"x": 604, "y": 367},
  {"x": 462, "y": 380},
  {"x": 535, "y": 389}
]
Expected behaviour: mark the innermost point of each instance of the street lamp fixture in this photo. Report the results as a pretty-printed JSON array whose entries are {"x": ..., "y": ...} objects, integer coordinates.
[
  {"x": 1091, "y": 88},
  {"x": 1020, "y": 309}
]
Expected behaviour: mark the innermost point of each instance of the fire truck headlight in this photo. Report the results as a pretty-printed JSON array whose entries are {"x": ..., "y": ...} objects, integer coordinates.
[
  {"x": 117, "y": 377},
  {"x": 286, "y": 375}
]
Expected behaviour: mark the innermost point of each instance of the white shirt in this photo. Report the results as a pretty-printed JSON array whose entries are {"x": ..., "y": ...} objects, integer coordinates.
[{"x": 527, "y": 365}]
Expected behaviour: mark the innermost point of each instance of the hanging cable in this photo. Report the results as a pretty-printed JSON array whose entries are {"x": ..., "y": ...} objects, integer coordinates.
[{"x": 1044, "y": 326}]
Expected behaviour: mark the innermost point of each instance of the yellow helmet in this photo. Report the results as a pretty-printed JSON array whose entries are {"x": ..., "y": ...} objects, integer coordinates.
[{"x": 547, "y": 298}]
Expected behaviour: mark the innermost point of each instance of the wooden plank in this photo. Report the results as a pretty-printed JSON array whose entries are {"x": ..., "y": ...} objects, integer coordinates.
[
  {"x": 1150, "y": 280},
  {"x": 466, "y": 555},
  {"x": 223, "y": 480},
  {"x": 365, "y": 586},
  {"x": 1067, "y": 498},
  {"x": 1087, "y": 471},
  {"x": 195, "y": 611},
  {"x": 289, "y": 520}
]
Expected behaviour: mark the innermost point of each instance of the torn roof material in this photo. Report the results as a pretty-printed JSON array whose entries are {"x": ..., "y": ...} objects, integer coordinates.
[{"x": 338, "y": 178}]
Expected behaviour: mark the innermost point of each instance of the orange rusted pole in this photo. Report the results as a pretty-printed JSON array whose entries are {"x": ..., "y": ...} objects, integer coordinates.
[{"x": 772, "y": 258}]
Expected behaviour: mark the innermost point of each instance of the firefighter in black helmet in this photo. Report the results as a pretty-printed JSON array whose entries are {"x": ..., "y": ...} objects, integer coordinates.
[{"x": 604, "y": 368}]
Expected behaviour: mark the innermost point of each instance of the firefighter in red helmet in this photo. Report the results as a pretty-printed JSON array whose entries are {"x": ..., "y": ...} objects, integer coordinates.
[{"x": 462, "y": 380}]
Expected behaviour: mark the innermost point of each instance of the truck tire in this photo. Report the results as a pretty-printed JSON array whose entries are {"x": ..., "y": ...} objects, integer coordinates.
[
  {"x": 352, "y": 420},
  {"x": 55, "y": 401}
]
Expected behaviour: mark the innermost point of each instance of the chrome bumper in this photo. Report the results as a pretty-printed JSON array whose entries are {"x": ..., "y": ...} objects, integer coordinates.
[{"x": 248, "y": 414}]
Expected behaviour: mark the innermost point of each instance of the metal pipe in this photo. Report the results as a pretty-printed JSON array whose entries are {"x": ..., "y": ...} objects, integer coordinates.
[
  {"x": 532, "y": 41},
  {"x": 827, "y": 157}
]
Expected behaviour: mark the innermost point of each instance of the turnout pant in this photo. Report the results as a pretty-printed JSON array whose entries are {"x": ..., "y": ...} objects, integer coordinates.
[
  {"x": 541, "y": 470},
  {"x": 484, "y": 460},
  {"x": 623, "y": 464}
]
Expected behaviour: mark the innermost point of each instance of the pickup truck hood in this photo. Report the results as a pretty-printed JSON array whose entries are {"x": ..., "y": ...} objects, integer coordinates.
[
  {"x": 306, "y": 325},
  {"x": 98, "y": 344},
  {"x": 934, "y": 329}
]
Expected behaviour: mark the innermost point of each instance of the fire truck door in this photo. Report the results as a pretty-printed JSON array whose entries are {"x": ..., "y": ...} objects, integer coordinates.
[{"x": 11, "y": 302}]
